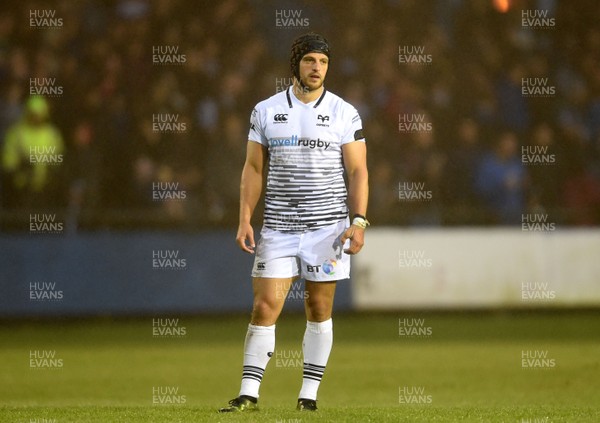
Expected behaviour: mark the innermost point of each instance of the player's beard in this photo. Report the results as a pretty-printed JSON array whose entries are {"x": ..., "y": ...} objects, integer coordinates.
[{"x": 308, "y": 87}]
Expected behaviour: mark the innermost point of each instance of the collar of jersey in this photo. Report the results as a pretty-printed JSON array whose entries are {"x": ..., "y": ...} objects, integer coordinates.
[{"x": 289, "y": 98}]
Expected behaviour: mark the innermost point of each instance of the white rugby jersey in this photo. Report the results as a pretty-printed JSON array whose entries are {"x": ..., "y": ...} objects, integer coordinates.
[{"x": 305, "y": 182}]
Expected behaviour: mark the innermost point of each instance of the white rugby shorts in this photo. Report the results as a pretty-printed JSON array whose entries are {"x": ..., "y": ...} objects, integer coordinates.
[{"x": 316, "y": 256}]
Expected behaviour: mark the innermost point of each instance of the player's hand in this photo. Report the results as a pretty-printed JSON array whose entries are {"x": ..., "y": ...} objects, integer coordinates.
[
  {"x": 245, "y": 238},
  {"x": 356, "y": 236}
]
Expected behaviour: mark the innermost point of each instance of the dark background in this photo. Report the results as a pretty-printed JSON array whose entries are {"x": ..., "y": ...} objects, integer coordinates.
[{"x": 235, "y": 56}]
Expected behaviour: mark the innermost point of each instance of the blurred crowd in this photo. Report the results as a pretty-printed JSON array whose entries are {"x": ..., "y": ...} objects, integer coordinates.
[{"x": 89, "y": 100}]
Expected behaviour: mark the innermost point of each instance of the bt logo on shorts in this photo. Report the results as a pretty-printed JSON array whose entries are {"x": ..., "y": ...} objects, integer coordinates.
[
  {"x": 328, "y": 267},
  {"x": 314, "y": 269}
]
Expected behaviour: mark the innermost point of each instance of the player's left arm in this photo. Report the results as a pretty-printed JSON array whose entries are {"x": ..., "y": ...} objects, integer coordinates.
[{"x": 355, "y": 163}]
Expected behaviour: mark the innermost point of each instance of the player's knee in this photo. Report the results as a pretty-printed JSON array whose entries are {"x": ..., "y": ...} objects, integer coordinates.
[
  {"x": 320, "y": 308},
  {"x": 263, "y": 309}
]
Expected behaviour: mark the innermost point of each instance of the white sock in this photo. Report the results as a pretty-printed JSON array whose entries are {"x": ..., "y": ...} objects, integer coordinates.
[
  {"x": 316, "y": 347},
  {"x": 258, "y": 349}
]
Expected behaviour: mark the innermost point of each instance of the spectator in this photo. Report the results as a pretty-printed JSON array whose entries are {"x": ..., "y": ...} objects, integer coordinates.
[
  {"x": 501, "y": 181},
  {"x": 232, "y": 53},
  {"x": 32, "y": 153},
  {"x": 461, "y": 169}
]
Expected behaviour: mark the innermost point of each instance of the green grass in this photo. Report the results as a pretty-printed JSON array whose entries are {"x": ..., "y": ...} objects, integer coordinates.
[{"x": 470, "y": 367}]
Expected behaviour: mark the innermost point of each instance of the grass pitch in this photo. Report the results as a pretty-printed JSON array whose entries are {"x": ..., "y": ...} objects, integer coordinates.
[{"x": 456, "y": 367}]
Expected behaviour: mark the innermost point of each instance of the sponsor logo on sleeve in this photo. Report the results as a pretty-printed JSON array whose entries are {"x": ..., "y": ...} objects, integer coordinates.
[{"x": 358, "y": 134}]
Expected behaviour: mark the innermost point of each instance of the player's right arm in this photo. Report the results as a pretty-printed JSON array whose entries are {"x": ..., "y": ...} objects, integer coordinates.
[{"x": 250, "y": 190}]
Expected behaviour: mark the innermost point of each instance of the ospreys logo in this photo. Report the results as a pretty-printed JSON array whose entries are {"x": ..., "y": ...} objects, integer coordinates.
[
  {"x": 280, "y": 118},
  {"x": 323, "y": 119}
]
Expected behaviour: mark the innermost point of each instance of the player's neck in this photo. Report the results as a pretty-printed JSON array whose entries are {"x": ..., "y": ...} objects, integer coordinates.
[{"x": 304, "y": 95}]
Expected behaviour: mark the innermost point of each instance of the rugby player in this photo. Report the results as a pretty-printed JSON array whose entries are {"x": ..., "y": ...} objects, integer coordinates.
[{"x": 311, "y": 141}]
